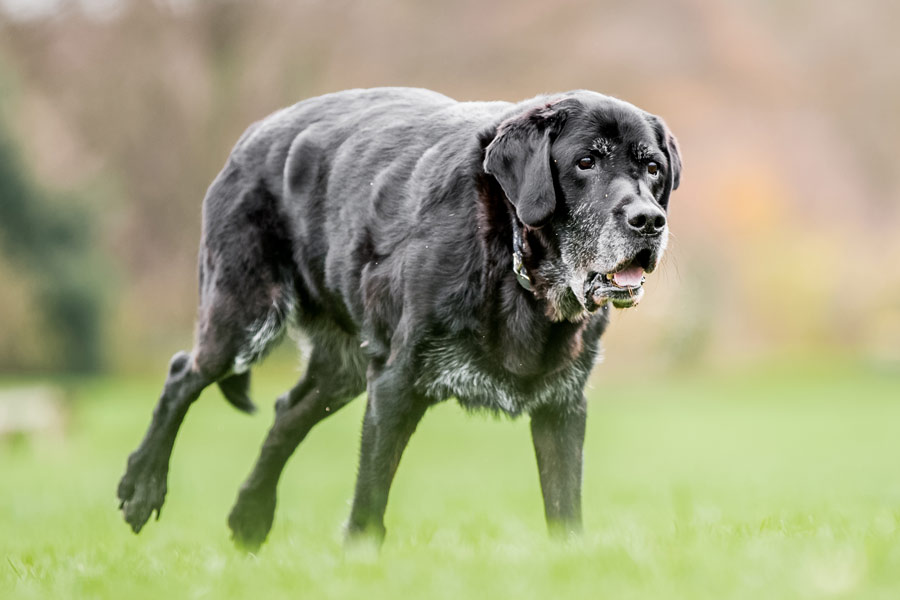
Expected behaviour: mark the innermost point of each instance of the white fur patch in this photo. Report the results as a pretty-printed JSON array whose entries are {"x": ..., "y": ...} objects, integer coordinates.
[
  {"x": 450, "y": 369},
  {"x": 264, "y": 332}
]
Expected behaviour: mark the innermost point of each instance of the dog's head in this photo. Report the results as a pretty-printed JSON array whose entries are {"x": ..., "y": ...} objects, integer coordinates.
[{"x": 589, "y": 178}]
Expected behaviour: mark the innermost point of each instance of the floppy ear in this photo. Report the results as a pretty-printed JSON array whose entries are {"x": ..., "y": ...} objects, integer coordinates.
[
  {"x": 519, "y": 159},
  {"x": 674, "y": 159},
  {"x": 670, "y": 146}
]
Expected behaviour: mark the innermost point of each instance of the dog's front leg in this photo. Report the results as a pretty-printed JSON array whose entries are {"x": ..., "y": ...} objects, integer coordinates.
[
  {"x": 558, "y": 436},
  {"x": 392, "y": 412}
]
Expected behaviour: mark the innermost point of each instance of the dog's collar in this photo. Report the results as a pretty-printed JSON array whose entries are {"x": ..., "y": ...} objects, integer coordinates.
[{"x": 518, "y": 258}]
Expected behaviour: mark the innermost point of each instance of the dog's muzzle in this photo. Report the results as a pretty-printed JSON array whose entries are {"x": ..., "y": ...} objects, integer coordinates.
[{"x": 622, "y": 285}]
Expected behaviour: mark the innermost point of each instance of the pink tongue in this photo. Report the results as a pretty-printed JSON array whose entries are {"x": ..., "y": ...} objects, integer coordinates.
[{"x": 630, "y": 277}]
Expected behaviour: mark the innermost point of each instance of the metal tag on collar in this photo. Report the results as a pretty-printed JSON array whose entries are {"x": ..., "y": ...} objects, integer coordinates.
[{"x": 519, "y": 269}]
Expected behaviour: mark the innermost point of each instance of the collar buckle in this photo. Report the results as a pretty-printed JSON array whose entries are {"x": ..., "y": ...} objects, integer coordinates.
[
  {"x": 518, "y": 259},
  {"x": 519, "y": 269}
]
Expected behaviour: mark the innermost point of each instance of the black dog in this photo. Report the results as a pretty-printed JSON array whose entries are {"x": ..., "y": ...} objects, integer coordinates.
[{"x": 428, "y": 248}]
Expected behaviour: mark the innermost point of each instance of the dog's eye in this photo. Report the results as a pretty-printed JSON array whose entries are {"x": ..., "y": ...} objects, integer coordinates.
[
  {"x": 586, "y": 162},
  {"x": 653, "y": 169}
]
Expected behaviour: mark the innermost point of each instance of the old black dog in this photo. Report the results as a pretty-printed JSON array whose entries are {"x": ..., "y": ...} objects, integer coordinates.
[{"x": 428, "y": 248}]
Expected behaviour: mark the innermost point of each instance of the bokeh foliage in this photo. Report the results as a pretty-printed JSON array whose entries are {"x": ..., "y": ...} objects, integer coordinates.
[
  {"x": 47, "y": 244},
  {"x": 784, "y": 228}
]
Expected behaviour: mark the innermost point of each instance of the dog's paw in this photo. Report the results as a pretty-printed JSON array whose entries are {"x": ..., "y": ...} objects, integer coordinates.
[
  {"x": 142, "y": 490},
  {"x": 251, "y": 519}
]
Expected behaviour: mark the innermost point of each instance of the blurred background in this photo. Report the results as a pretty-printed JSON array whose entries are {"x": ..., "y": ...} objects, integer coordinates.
[
  {"x": 115, "y": 115},
  {"x": 751, "y": 444}
]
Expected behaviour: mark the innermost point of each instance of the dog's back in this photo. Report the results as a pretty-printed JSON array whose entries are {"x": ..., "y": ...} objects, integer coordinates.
[{"x": 313, "y": 192}]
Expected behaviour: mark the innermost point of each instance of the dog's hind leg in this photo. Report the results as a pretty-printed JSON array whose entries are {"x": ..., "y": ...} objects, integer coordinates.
[
  {"x": 246, "y": 296},
  {"x": 143, "y": 487},
  {"x": 328, "y": 384},
  {"x": 217, "y": 353}
]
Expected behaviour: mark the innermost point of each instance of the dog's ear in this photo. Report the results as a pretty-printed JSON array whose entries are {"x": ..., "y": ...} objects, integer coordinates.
[
  {"x": 670, "y": 147},
  {"x": 519, "y": 159},
  {"x": 674, "y": 159}
]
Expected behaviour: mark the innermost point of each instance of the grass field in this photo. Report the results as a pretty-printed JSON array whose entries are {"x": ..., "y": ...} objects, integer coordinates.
[{"x": 768, "y": 483}]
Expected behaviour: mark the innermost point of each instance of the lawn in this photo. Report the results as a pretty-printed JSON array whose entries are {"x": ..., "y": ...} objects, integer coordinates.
[{"x": 770, "y": 482}]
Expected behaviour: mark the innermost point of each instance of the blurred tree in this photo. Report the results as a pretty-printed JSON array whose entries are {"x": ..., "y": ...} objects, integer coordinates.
[{"x": 51, "y": 242}]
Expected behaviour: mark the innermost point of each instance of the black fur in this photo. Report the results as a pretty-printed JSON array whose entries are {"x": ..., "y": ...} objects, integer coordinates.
[{"x": 380, "y": 222}]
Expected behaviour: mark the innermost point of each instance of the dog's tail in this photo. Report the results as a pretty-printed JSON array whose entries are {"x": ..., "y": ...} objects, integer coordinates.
[
  {"x": 236, "y": 390},
  {"x": 261, "y": 337}
]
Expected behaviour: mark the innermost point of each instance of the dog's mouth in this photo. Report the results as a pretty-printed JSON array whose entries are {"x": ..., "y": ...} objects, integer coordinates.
[{"x": 622, "y": 286}]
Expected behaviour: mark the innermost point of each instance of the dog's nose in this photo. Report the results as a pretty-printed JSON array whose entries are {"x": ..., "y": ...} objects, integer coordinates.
[{"x": 645, "y": 218}]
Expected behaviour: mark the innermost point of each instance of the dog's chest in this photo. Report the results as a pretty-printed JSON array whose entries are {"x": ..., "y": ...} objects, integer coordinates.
[{"x": 451, "y": 368}]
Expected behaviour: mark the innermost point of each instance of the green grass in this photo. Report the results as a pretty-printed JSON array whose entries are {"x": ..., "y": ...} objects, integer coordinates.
[{"x": 771, "y": 483}]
